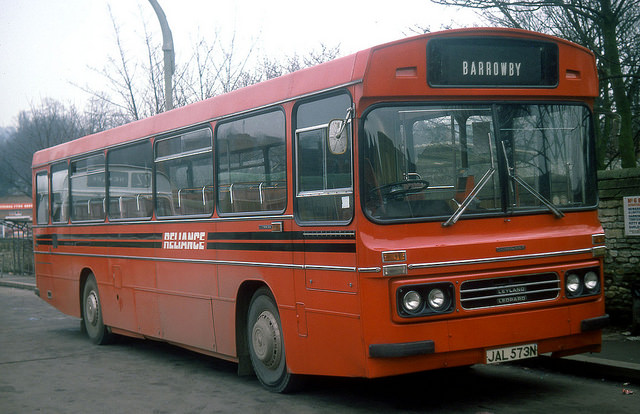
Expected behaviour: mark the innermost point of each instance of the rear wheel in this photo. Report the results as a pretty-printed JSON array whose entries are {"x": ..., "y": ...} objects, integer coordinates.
[
  {"x": 92, "y": 313},
  {"x": 266, "y": 343}
]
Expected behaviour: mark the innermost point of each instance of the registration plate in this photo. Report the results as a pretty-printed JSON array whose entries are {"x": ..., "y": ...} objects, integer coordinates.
[{"x": 511, "y": 353}]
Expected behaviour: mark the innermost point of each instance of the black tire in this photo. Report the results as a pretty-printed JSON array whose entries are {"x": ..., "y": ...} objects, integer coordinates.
[
  {"x": 92, "y": 321},
  {"x": 266, "y": 343}
]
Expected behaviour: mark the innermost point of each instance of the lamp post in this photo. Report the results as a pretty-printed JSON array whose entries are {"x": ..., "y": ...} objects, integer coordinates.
[{"x": 169, "y": 54}]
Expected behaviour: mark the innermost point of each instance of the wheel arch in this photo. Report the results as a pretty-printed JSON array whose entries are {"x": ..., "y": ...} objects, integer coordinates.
[
  {"x": 245, "y": 292},
  {"x": 84, "y": 275}
]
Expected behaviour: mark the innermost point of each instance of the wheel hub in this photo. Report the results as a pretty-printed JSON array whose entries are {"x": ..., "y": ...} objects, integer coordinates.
[
  {"x": 266, "y": 342},
  {"x": 91, "y": 308}
]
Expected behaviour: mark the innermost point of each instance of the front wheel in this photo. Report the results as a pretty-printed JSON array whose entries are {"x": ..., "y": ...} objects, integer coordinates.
[
  {"x": 92, "y": 314},
  {"x": 266, "y": 343}
]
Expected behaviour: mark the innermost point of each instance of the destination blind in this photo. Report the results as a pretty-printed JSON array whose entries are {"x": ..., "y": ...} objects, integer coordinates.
[{"x": 491, "y": 62}]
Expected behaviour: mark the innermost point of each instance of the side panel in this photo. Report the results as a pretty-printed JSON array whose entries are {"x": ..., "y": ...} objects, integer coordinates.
[
  {"x": 185, "y": 304},
  {"x": 331, "y": 302},
  {"x": 260, "y": 251},
  {"x": 118, "y": 303}
]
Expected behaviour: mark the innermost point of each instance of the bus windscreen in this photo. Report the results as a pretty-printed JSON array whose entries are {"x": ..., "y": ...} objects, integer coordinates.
[{"x": 422, "y": 162}]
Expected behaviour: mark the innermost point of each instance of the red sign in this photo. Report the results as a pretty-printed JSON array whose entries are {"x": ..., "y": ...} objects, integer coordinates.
[{"x": 16, "y": 206}]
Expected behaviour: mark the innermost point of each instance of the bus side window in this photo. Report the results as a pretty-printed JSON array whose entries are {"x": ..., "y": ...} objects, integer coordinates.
[
  {"x": 251, "y": 164},
  {"x": 59, "y": 193},
  {"x": 184, "y": 174},
  {"x": 130, "y": 191},
  {"x": 88, "y": 188},
  {"x": 324, "y": 180},
  {"x": 42, "y": 198}
]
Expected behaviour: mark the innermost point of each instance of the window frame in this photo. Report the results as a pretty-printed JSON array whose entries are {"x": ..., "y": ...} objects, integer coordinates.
[
  {"x": 46, "y": 203},
  {"x": 297, "y": 195},
  {"x": 185, "y": 154},
  {"x": 126, "y": 146},
  {"x": 218, "y": 164},
  {"x": 66, "y": 190},
  {"x": 87, "y": 174},
  {"x": 500, "y": 163}
]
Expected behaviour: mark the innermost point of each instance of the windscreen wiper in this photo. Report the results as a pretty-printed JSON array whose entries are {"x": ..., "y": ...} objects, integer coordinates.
[
  {"x": 469, "y": 198},
  {"x": 515, "y": 178},
  {"x": 474, "y": 191}
]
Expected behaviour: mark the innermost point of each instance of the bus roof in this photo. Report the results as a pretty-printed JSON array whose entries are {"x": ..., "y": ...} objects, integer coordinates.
[{"x": 379, "y": 69}]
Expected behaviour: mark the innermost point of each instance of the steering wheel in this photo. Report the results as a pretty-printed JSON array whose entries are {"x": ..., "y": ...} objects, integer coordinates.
[{"x": 400, "y": 188}]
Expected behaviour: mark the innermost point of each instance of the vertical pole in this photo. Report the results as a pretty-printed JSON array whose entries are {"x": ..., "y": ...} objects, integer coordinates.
[
  {"x": 14, "y": 252},
  {"x": 169, "y": 54}
]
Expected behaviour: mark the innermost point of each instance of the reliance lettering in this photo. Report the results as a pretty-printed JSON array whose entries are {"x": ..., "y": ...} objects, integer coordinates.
[
  {"x": 486, "y": 69},
  {"x": 184, "y": 240}
]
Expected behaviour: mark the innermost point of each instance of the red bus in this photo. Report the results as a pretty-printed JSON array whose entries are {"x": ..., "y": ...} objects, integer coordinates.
[{"x": 422, "y": 204}]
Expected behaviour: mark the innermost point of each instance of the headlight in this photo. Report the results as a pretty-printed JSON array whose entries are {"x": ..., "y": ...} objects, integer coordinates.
[
  {"x": 412, "y": 301},
  {"x": 591, "y": 281},
  {"x": 579, "y": 283},
  {"x": 573, "y": 284},
  {"x": 427, "y": 299},
  {"x": 436, "y": 299}
]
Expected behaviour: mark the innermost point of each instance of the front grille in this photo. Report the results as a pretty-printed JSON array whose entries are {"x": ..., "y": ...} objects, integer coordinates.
[{"x": 506, "y": 291}]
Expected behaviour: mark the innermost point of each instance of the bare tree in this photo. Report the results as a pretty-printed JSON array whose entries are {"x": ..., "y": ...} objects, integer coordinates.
[
  {"x": 43, "y": 126},
  {"x": 205, "y": 85},
  {"x": 154, "y": 98},
  {"x": 216, "y": 66},
  {"x": 122, "y": 79},
  {"x": 270, "y": 68},
  {"x": 610, "y": 28},
  {"x": 135, "y": 86}
]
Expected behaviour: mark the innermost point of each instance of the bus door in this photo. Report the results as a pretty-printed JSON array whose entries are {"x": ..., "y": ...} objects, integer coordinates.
[{"x": 324, "y": 205}]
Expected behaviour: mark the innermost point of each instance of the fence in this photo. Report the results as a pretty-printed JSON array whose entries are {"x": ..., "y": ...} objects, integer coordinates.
[{"x": 16, "y": 246}]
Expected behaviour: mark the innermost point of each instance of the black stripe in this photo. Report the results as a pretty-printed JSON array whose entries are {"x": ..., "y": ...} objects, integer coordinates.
[
  {"x": 330, "y": 247},
  {"x": 107, "y": 236},
  {"x": 143, "y": 245},
  {"x": 285, "y": 247},
  {"x": 112, "y": 236},
  {"x": 287, "y": 235},
  {"x": 154, "y": 241},
  {"x": 275, "y": 247}
]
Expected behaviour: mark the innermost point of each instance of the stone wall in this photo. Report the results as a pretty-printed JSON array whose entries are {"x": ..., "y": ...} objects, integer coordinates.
[{"x": 622, "y": 262}]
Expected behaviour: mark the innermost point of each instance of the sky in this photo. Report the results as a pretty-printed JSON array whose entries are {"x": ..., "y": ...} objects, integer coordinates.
[{"x": 52, "y": 48}]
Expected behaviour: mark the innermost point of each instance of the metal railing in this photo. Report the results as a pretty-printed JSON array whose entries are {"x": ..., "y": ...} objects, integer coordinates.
[{"x": 16, "y": 245}]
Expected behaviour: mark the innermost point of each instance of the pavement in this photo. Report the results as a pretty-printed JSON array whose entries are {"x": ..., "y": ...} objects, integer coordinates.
[{"x": 618, "y": 360}]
